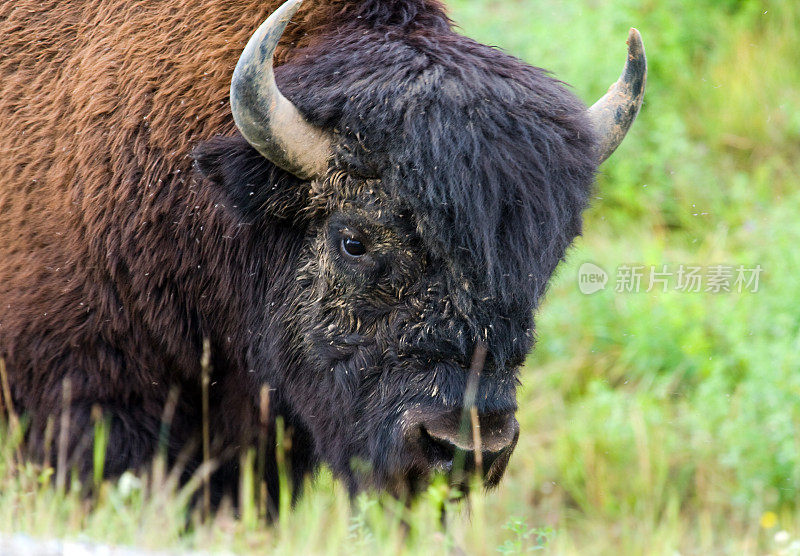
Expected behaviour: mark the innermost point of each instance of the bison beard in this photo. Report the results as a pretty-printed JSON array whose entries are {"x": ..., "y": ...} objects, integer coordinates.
[{"x": 459, "y": 171}]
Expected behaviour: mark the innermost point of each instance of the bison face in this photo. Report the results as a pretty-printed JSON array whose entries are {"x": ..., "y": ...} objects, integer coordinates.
[
  {"x": 378, "y": 324},
  {"x": 435, "y": 183},
  {"x": 387, "y": 333}
]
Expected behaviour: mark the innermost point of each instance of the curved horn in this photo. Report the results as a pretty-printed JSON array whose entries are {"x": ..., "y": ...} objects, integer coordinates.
[
  {"x": 613, "y": 114},
  {"x": 267, "y": 119}
]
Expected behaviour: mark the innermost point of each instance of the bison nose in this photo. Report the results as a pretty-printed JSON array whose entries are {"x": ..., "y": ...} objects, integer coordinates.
[{"x": 447, "y": 441}]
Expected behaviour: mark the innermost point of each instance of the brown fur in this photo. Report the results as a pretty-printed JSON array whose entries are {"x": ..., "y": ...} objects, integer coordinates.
[{"x": 100, "y": 104}]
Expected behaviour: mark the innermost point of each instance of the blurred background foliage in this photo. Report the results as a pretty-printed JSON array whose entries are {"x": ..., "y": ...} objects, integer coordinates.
[{"x": 651, "y": 422}]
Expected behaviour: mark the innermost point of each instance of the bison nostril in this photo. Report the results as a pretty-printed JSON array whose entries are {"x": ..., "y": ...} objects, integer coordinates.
[{"x": 438, "y": 451}]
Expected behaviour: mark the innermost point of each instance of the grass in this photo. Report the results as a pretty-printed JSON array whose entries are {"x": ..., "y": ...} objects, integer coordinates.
[{"x": 651, "y": 422}]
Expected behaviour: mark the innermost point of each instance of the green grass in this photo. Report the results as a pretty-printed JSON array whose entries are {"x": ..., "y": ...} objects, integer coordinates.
[{"x": 651, "y": 422}]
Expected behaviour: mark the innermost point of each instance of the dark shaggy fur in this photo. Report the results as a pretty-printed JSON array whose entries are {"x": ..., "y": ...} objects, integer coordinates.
[{"x": 463, "y": 170}]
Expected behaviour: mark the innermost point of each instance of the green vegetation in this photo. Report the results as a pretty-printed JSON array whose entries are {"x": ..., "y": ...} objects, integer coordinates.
[{"x": 651, "y": 422}]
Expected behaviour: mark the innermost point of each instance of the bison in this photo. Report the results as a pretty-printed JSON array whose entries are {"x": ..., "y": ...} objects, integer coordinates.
[{"x": 362, "y": 232}]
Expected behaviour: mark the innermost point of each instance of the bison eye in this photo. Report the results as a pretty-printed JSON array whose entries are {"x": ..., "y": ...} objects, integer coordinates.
[{"x": 353, "y": 247}]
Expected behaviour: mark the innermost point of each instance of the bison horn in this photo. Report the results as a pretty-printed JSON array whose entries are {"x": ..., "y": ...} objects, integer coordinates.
[
  {"x": 613, "y": 114},
  {"x": 267, "y": 119}
]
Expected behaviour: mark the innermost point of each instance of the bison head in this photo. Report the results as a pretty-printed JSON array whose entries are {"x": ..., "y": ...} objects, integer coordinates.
[{"x": 432, "y": 185}]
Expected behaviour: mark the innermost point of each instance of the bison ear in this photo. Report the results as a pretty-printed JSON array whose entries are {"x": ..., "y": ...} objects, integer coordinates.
[{"x": 249, "y": 183}]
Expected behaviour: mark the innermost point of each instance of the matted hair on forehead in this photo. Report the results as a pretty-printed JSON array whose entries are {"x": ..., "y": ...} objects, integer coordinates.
[{"x": 494, "y": 156}]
